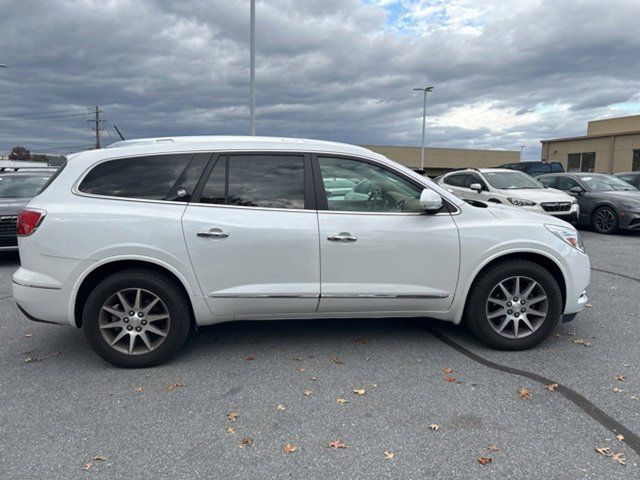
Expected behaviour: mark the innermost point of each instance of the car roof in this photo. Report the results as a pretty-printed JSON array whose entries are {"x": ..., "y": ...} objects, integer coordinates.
[{"x": 627, "y": 173}]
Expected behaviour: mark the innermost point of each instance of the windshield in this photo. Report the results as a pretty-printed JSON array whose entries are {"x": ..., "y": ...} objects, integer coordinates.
[
  {"x": 22, "y": 185},
  {"x": 605, "y": 183},
  {"x": 511, "y": 180}
]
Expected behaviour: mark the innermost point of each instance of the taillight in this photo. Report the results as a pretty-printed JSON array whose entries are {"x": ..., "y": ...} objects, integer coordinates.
[{"x": 29, "y": 221}]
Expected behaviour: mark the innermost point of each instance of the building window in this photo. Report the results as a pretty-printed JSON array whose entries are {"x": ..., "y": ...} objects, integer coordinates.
[
  {"x": 581, "y": 162},
  {"x": 636, "y": 161}
]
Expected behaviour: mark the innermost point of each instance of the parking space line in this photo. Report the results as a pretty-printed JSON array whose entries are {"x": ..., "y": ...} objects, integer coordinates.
[
  {"x": 616, "y": 274},
  {"x": 630, "y": 438}
]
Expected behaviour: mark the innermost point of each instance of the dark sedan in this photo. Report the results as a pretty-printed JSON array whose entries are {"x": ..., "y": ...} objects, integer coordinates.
[
  {"x": 606, "y": 202},
  {"x": 16, "y": 190}
]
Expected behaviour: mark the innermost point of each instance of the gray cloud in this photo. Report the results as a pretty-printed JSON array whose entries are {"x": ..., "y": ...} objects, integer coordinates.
[{"x": 327, "y": 69}]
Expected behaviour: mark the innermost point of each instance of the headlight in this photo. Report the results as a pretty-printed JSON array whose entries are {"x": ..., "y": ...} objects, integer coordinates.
[
  {"x": 567, "y": 235},
  {"x": 633, "y": 206},
  {"x": 521, "y": 202}
]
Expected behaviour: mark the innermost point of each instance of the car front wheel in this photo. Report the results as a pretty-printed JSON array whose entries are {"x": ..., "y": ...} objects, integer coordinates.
[
  {"x": 605, "y": 220},
  {"x": 136, "y": 318},
  {"x": 514, "y": 305}
]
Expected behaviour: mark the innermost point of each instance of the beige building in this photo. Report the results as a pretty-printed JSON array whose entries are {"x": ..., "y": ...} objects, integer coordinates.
[
  {"x": 441, "y": 160},
  {"x": 611, "y": 145}
]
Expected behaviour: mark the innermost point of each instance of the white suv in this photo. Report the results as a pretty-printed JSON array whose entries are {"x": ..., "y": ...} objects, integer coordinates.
[
  {"x": 512, "y": 188},
  {"x": 138, "y": 243}
]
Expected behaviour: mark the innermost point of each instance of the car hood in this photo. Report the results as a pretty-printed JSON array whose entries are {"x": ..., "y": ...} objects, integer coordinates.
[
  {"x": 539, "y": 194},
  {"x": 507, "y": 213},
  {"x": 619, "y": 195},
  {"x": 11, "y": 206}
]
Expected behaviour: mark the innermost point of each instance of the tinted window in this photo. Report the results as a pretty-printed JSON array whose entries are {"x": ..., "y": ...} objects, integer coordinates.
[
  {"x": 566, "y": 183},
  {"x": 186, "y": 183},
  {"x": 547, "y": 181},
  {"x": 514, "y": 166},
  {"x": 149, "y": 178},
  {"x": 274, "y": 181},
  {"x": 473, "y": 178},
  {"x": 376, "y": 189},
  {"x": 457, "y": 180},
  {"x": 536, "y": 168},
  {"x": 556, "y": 167}
]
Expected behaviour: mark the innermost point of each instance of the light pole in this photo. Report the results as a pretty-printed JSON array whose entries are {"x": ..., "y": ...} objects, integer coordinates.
[
  {"x": 521, "y": 151},
  {"x": 252, "y": 69},
  {"x": 425, "y": 90}
]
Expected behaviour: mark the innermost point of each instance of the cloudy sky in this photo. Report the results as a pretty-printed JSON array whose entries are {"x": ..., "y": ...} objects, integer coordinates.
[{"x": 506, "y": 73}]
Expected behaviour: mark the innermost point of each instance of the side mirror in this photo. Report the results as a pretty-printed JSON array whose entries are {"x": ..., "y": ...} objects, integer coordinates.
[
  {"x": 430, "y": 201},
  {"x": 577, "y": 190},
  {"x": 476, "y": 187}
]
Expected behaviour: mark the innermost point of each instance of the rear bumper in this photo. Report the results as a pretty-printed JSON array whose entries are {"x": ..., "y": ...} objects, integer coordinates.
[
  {"x": 8, "y": 243},
  {"x": 39, "y": 299}
]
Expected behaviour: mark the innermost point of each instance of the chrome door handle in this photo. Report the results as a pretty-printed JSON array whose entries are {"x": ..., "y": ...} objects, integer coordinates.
[
  {"x": 342, "y": 237},
  {"x": 213, "y": 233}
]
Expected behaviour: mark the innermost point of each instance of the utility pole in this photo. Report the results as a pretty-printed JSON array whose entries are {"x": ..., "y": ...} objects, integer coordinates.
[
  {"x": 252, "y": 69},
  {"x": 425, "y": 90},
  {"x": 98, "y": 124}
]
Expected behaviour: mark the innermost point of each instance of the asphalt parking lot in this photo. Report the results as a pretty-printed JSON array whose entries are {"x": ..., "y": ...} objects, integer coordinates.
[{"x": 64, "y": 413}]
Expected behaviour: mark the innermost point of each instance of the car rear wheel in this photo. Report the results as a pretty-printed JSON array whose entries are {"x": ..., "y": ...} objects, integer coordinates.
[
  {"x": 514, "y": 305},
  {"x": 605, "y": 220},
  {"x": 136, "y": 319}
]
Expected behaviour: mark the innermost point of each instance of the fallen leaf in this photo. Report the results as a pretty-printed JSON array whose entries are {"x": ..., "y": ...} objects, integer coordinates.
[
  {"x": 389, "y": 454},
  {"x": 231, "y": 430},
  {"x": 342, "y": 401},
  {"x": 28, "y": 335},
  {"x": 171, "y": 387},
  {"x": 447, "y": 370},
  {"x": 363, "y": 340},
  {"x": 297, "y": 359},
  {"x": 139, "y": 389},
  {"x": 582, "y": 341},
  {"x": 87, "y": 466},
  {"x": 620, "y": 438},
  {"x": 302, "y": 369},
  {"x": 336, "y": 360},
  {"x": 288, "y": 448},
  {"x": 493, "y": 448},
  {"x": 232, "y": 417},
  {"x": 634, "y": 397},
  {"x": 281, "y": 408},
  {"x": 450, "y": 379},
  {"x": 606, "y": 451},
  {"x": 359, "y": 391},
  {"x": 56, "y": 354},
  {"x": 524, "y": 393},
  {"x": 588, "y": 305},
  {"x": 249, "y": 358},
  {"x": 435, "y": 427},
  {"x": 618, "y": 390},
  {"x": 100, "y": 458},
  {"x": 314, "y": 379},
  {"x": 336, "y": 444},
  {"x": 31, "y": 359},
  {"x": 307, "y": 392},
  {"x": 618, "y": 457},
  {"x": 552, "y": 387},
  {"x": 620, "y": 378},
  {"x": 245, "y": 442},
  {"x": 484, "y": 460},
  {"x": 557, "y": 334}
]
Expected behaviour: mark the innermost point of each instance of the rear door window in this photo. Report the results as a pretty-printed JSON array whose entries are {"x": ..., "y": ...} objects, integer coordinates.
[
  {"x": 153, "y": 177},
  {"x": 457, "y": 180},
  {"x": 257, "y": 180}
]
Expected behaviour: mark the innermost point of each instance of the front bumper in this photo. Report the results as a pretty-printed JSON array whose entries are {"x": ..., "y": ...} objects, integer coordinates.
[{"x": 629, "y": 220}]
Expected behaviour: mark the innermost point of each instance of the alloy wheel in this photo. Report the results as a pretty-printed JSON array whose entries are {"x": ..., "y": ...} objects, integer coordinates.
[
  {"x": 134, "y": 321},
  {"x": 517, "y": 307},
  {"x": 605, "y": 220}
]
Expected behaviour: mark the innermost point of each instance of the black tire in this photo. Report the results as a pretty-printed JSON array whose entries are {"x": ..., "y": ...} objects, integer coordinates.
[
  {"x": 476, "y": 317},
  {"x": 173, "y": 298},
  {"x": 605, "y": 220}
]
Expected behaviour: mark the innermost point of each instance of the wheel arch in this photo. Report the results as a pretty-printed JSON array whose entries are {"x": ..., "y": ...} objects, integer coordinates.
[
  {"x": 543, "y": 260},
  {"x": 97, "y": 274}
]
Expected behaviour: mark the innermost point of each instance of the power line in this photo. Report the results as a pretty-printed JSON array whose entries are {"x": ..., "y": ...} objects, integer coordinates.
[
  {"x": 54, "y": 116},
  {"x": 24, "y": 114}
]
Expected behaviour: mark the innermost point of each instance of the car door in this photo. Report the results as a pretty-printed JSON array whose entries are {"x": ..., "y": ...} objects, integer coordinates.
[
  {"x": 252, "y": 235},
  {"x": 455, "y": 183},
  {"x": 382, "y": 253},
  {"x": 472, "y": 178},
  {"x": 566, "y": 183}
]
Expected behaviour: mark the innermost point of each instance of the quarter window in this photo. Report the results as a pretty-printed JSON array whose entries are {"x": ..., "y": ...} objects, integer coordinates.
[
  {"x": 149, "y": 178},
  {"x": 274, "y": 181},
  {"x": 374, "y": 189}
]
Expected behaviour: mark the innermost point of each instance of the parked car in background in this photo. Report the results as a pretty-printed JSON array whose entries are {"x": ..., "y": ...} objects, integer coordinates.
[
  {"x": 534, "y": 168},
  {"x": 138, "y": 243},
  {"x": 607, "y": 203},
  {"x": 16, "y": 190},
  {"x": 509, "y": 187},
  {"x": 630, "y": 177}
]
